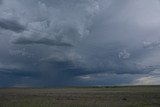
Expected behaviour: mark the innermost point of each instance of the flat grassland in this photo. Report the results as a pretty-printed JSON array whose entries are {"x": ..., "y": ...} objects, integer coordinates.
[{"x": 124, "y": 96}]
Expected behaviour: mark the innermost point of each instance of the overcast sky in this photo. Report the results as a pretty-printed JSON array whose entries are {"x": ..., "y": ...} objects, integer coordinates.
[{"x": 47, "y": 43}]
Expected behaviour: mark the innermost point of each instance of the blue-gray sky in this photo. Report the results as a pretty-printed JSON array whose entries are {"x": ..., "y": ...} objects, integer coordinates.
[{"x": 79, "y": 42}]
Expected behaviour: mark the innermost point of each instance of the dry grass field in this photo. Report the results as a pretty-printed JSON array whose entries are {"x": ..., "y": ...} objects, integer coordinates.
[{"x": 134, "y": 96}]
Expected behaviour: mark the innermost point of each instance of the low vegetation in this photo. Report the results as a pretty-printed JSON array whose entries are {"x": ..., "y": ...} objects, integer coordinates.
[{"x": 130, "y": 96}]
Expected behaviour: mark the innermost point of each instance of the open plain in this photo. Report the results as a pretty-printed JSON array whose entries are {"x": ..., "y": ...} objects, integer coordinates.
[{"x": 123, "y": 96}]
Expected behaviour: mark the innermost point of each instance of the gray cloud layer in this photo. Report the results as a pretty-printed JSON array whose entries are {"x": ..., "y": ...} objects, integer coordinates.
[{"x": 84, "y": 42}]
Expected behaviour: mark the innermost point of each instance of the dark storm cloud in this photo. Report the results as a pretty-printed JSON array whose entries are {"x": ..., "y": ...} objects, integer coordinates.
[
  {"x": 79, "y": 42},
  {"x": 44, "y": 41},
  {"x": 19, "y": 73},
  {"x": 11, "y": 25}
]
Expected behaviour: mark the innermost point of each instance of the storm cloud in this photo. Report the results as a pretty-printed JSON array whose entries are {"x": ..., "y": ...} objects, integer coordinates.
[
  {"x": 44, "y": 41},
  {"x": 79, "y": 42},
  {"x": 11, "y": 25}
]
